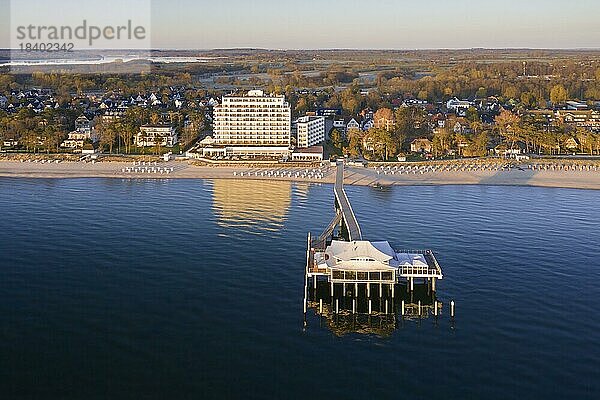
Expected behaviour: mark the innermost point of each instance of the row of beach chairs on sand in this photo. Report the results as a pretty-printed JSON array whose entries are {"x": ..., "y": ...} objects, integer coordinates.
[
  {"x": 431, "y": 169},
  {"x": 563, "y": 167},
  {"x": 147, "y": 170},
  {"x": 307, "y": 173},
  {"x": 145, "y": 164},
  {"x": 41, "y": 161}
]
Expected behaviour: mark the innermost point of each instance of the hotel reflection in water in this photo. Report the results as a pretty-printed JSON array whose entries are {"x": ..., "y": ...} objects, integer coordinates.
[{"x": 251, "y": 204}]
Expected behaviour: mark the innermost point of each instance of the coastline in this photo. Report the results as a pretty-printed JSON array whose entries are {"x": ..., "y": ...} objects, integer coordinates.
[{"x": 357, "y": 176}]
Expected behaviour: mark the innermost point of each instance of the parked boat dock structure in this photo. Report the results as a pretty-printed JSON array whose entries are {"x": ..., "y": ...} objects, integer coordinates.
[{"x": 364, "y": 277}]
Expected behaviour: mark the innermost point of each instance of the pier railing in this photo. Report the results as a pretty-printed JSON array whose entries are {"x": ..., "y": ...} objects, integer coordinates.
[
  {"x": 412, "y": 251},
  {"x": 430, "y": 257},
  {"x": 346, "y": 209},
  {"x": 314, "y": 269},
  {"x": 321, "y": 242},
  {"x": 433, "y": 267},
  {"x": 415, "y": 270}
]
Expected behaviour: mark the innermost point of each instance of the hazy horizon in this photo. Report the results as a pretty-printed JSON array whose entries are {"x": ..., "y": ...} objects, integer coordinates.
[
  {"x": 348, "y": 49},
  {"x": 347, "y": 25}
]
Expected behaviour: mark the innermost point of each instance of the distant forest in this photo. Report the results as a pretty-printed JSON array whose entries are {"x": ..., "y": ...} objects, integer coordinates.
[{"x": 525, "y": 76}]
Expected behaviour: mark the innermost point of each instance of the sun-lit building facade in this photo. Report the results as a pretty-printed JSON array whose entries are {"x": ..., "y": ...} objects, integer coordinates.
[
  {"x": 253, "y": 124},
  {"x": 311, "y": 131}
]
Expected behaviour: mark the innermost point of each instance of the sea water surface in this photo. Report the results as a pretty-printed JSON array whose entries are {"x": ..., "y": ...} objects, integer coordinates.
[{"x": 193, "y": 289}]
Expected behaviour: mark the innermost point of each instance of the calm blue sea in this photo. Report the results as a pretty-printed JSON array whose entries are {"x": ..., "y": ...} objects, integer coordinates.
[{"x": 193, "y": 289}]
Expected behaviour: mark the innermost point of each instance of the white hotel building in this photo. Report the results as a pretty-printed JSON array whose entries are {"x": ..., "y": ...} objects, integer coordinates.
[
  {"x": 311, "y": 131},
  {"x": 251, "y": 125}
]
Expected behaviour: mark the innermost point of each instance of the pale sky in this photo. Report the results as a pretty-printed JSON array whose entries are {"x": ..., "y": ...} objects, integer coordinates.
[{"x": 372, "y": 24}]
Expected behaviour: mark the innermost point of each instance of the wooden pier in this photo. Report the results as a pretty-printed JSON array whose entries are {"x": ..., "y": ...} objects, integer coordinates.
[{"x": 364, "y": 277}]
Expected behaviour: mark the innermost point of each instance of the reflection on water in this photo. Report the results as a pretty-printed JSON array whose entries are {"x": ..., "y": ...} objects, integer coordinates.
[
  {"x": 251, "y": 205},
  {"x": 173, "y": 305},
  {"x": 346, "y": 315},
  {"x": 302, "y": 189}
]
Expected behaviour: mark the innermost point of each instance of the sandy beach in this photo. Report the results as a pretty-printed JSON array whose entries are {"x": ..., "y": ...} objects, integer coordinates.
[{"x": 354, "y": 175}]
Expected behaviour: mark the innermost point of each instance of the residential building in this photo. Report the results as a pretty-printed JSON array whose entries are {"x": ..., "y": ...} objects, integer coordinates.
[
  {"x": 572, "y": 144},
  {"x": 10, "y": 143},
  {"x": 89, "y": 148},
  {"x": 421, "y": 145},
  {"x": 368, "y": 124},
  {"x": 352, "y": 124},
  {"x": 83, "y": 131},
  {"x": 504, "y": 150},
  {"x": 254, "y": 125},
  {"x": 439, "y": 120},
  {"x": 329, "y": 112},
  {"x": 112, "y": 115},
  {"x": 541, "y": 118},
  {"x": 314, "y": 153},
  {"x": 589, "y": 119},
  {"x": 340, "y": 125},
  {"x": 76, "y": 140},
  {"x": 462, "y": 126},
  {"x": 310, "y": 131},
  {"x": 414, "y": 103},
  {"x": 83, "y": 124},
  {"x": 577, "y": 105},
  {"x": 151, "y": 135},
  {"x": 458, "y": 106}
]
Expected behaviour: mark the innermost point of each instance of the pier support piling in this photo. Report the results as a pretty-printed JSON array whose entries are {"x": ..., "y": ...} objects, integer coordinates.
[
  {"x": 305, "y": 305},
  {"x": 344, "y": 227},
  {"x": 452, "y": 309}
]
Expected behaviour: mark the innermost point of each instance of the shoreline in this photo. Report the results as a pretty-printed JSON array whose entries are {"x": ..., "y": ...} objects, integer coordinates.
[{"x": 355, "y": 176}]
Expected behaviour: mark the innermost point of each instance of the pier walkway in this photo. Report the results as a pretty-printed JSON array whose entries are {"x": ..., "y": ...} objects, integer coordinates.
[
  {"x": 343, "y": 204},
  {"x": 341, "y": 258},
  {"x": 344, "y": 215}
]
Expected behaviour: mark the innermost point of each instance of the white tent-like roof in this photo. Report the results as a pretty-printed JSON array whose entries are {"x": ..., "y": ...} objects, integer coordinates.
[
  {"x": 411, "y": 260},
  {"x": 360, "y": 250},
  {"x": 360, "y": 255},
  {"x": 367, "y": 256}
]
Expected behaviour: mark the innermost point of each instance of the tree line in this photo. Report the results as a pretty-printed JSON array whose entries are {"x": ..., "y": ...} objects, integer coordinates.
[
  {"x": 47, "y": 130},
  {"x": 513, "y": 130}
]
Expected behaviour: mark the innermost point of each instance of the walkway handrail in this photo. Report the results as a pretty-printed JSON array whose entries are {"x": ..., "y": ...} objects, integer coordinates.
[
  {"x": 346, "y": 207},
  {"x": 320, "y": 242}
]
